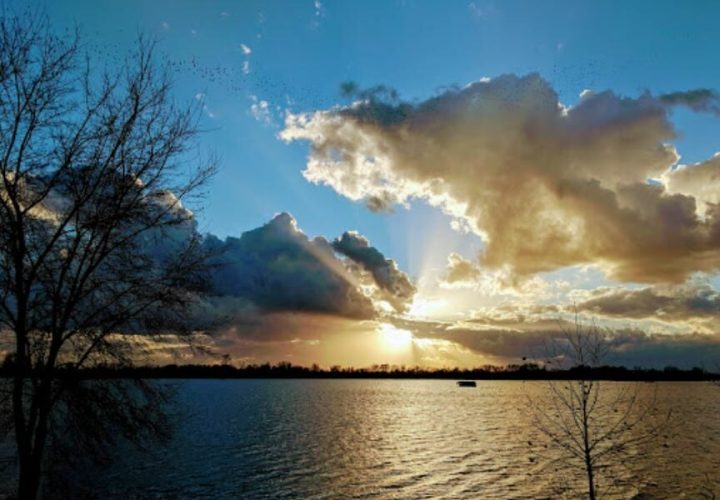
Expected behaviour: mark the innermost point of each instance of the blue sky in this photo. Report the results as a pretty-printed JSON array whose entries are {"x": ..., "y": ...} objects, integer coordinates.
[
  {"x": 302, "y": 52},
  {"x": 249, "y": 65}
]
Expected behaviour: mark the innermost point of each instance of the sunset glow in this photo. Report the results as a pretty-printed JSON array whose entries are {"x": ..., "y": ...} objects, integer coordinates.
[
  {"x": 477, "y": 187},
  {"x": 341, "y": 249},
  {"x": 393, "y": 339}
]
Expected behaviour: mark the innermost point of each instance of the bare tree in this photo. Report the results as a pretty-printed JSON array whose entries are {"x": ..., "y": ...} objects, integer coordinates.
[
  {"x": 594, "y": 427},
  {"x": 96, "y": 247}
]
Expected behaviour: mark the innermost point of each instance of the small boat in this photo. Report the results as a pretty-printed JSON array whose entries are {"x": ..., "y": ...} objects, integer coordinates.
[{"x": 466, "y": 383}]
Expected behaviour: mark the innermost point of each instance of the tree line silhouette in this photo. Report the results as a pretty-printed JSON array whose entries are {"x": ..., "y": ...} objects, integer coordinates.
[{"x": 524, "y": 371}]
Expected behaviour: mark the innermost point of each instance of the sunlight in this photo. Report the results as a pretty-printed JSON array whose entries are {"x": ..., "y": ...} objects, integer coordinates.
[
  {"x": 394, "y": 339},
  {"x": 426, "y": 307}
]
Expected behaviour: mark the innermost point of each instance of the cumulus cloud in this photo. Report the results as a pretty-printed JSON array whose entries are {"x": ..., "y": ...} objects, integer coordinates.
[
  {"x": 277, "y": 267},
  {"x": 276, "y": 294},
  {"x": 460, "y": 271},
  {"x": 700, "y": 181},
  {"x": 546, "y": 185},
  {"x": 394, "y": 284},
  {"x": 274, "y": 284}
]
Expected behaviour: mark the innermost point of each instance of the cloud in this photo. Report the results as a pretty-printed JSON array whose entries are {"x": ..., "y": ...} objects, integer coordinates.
[
  {"x": 306, "y": 338},
  {"x": 480, "y": 10},
  {"x": 460, "y": 271},
  {"x": 507, "y": 338},
  {"x": 246, "y": 51},
  {"x": 277, "y": 267},
  {"x": 202, "y": 98},
  {"x": 395, "y": 284},
  {"x": 500, "y": 284},
  {"x": 475, "y": 10},
  {"x": 260, "y": 109},
  {"x": 546, "y": 185},
  {"x": 696, "y": 305},
  {"x": 319, "y": 11},
  {"x": 638, "y": 348},
  {"x": 276, "y": 294},
  {"x": 274, "y": 284},
  {"x": 702, "y": 100},
  {"x": 700, "y": 181}
]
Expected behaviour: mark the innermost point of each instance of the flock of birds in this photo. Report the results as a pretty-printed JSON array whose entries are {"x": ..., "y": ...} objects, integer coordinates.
[{"x": 238, "y": 74}]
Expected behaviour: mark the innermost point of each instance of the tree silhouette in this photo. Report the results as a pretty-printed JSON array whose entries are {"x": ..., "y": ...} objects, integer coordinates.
[
  {"x": 95, "y": 247},
  {"x": 595, "y": 428}
]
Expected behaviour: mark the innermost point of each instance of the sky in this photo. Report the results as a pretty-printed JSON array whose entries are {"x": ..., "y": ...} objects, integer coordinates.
[{"x": 445, "y": 182}]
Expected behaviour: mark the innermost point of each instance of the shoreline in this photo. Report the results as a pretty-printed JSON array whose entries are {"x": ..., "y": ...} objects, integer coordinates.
[{"x": 527, "y": 372}]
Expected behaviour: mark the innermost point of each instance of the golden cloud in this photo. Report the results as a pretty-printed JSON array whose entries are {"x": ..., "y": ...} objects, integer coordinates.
[{"x": 546, "y": 185}]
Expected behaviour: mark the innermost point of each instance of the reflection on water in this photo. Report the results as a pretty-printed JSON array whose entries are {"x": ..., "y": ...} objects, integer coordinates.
[{"x": 390, "y": 439}]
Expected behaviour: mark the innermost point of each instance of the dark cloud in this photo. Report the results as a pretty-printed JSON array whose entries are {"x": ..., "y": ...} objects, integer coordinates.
[
  {"x": 381, "y": 203},
  {"x": 395, "y": 284},
  {"x": 677, "y": 303},
  {"x": 277, "y": 267},
  {"x": 631, "y": 347},
  {"x": 275, "y": 284},
  {"x": 509, "y": 340},
  {"x": 702, "y": 100}
]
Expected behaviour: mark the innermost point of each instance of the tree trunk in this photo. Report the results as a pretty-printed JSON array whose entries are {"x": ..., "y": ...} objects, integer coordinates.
[
  {"x": 590, "y": 477},
  {"x": 31, "y": 448},
  {"x": 28, "y": 479},
  {"x": 29, "y": 482},
  {"x": 587, "y": 450}
]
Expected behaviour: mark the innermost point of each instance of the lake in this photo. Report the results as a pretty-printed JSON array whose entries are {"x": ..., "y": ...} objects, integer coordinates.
[{"x": 397, "y": 439}]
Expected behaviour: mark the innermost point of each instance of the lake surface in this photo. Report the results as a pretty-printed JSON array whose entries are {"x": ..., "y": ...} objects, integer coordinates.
[{"x": 397, "y": 439}]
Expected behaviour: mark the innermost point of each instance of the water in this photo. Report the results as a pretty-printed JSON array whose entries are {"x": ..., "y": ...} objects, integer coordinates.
[{"x": 396, "y": 439}]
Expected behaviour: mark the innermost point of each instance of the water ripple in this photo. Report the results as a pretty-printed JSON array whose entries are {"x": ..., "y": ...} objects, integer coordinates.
[{"x": 327, "y": 439}]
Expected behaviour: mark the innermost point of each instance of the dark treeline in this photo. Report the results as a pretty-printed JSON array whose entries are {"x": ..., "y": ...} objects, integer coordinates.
[{"x": 526, "y": 371}]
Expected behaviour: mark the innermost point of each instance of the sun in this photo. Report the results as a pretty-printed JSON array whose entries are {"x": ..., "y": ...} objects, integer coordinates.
[{"x": 394, "y": 339}]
